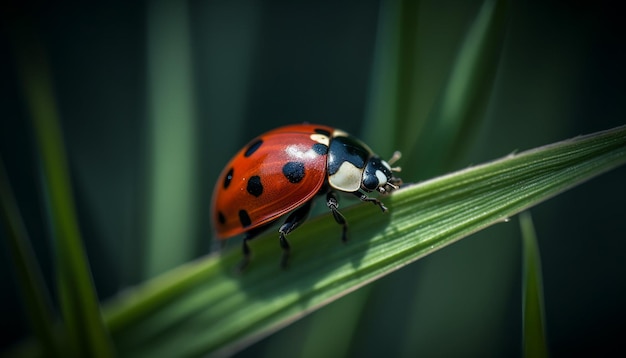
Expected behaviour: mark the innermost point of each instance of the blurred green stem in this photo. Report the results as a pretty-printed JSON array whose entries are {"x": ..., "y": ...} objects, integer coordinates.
[
  {"x": 534, "y": 337},
  {"x": 459, "y": 111},
  {"x": 171, "y": 127},
  {"x": 86, "y": 333},
  {"x": 34, "y": 293},
  {"x": 391, "y": 113}
]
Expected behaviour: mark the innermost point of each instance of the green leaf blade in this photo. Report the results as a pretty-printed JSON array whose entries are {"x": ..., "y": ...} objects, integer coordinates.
[{"x": 216, "y": 310}]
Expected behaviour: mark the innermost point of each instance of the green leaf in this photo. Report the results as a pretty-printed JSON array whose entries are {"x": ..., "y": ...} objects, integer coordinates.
[
  {"x": 207, "y": 307},
  {"x": 534, "y": 337}
]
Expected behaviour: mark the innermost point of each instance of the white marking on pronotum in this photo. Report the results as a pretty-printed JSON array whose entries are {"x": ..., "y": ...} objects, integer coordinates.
[{"x": 347, "y": 178}]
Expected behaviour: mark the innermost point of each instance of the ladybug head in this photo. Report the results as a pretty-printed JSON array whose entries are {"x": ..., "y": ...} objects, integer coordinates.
[{"x": 378, "y": 175}]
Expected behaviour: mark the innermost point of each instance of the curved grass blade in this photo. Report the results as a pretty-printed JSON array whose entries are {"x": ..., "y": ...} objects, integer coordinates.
[
  {"x": 34, "y": 292},
  {"x": 534, "y": 337},
  {"x": 85, "y": 332},
  {"x": 206, "y": 307},
  {"x": 426, "y": 136},
  {"x": 393, "y": 80},
  {"x": 460, "y": 108}
]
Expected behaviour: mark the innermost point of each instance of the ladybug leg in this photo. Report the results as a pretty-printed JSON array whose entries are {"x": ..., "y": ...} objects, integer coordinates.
[
  {"x": 293, "y": 221},
  {"x": 333, "y": 205},
  {"x": 374, "y": 201},
  {"x": 245, "y": 248}
]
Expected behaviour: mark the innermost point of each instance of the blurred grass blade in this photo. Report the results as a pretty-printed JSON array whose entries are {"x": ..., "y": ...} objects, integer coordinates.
[
  {"x": 79, "y": 305},
  {"x": 393, "y": 81},
  {"x": 331, "y": 333},
  {"x": 172, "y": 186},
  {"x": 460, "y": 107},
  {"x": 534, "y": 337},
  {"x": 205, "y": 307},
  {"x": 29, "y": 277},
  {"x": 427, "y": 104}
]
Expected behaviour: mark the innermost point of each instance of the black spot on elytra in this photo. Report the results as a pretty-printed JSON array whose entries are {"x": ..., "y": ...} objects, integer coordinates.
[
  {"x": 228, "y": 178},
  {"x": 221, "y": 218},
  {"x": 322, "y": 131},
  {"x": 320, "y": 148},
  {"x": 294, "y": 171},
  {"x": 244, "y": 218},
  {"x": 254, "y": 186},
  {"x": 253, "y": 148}
]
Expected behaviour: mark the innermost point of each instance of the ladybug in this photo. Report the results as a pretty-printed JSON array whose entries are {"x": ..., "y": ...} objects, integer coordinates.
[{"x": 283, "y": 170}]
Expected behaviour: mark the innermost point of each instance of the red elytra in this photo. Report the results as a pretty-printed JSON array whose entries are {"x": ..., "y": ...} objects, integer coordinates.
[{"x": 277, "y": 195}]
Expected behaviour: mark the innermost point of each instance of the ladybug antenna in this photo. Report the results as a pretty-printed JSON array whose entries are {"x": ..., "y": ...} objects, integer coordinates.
[
  {"x": 394, "y": 158},
  {"x": 388, "y": 187},
  {"x": 395, "y": 187}
]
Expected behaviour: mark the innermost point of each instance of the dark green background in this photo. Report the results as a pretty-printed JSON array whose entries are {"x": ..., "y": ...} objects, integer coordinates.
[{"x": 257, "y": 65}]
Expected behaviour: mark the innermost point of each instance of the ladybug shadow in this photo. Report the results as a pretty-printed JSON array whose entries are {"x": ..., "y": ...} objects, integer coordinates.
[{"x": 317, "y": 253}]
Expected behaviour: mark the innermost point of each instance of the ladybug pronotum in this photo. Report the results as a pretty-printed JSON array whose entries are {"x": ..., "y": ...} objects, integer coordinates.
[{"x": 283, "y": 170}]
